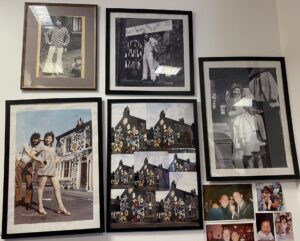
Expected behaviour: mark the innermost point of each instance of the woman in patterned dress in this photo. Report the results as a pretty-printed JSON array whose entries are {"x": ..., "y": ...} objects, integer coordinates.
[{"x": 48, "y": 158}]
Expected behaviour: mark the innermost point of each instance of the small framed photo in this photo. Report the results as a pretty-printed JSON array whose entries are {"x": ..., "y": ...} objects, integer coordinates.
[
  {"x": 228, "y": 202},
  {"x": 230, "y": 232},
  {"x": 265, "y": 227},
  {"x": 244, "y": 100},
  {"x": 149, "y": 52},
  {"x": 153, "y": 165},
  {"x": 53, "y": 168},
  {"x": 284, "y": 226},
  {"x": 270, "y": 197},
  {"x": 59, "y": 46}
]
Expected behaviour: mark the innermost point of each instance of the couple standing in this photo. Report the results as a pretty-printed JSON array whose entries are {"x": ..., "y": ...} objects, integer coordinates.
[{"x": 45, "y": 156}]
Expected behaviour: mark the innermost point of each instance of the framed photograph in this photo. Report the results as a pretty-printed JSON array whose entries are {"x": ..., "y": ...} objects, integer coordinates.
[
  {"x": 149, "y": 52},
  {"x": 284, "y": 226},
  {"x": 270, "y": 197},
  {"x": 265, "y": 227},
  {"x": 246, "y": 117},
  {"x": 228, "y": 202},
  {"x": 153, "y": 166},
  {"x": 59, "y": 46},
  {"x": 230, "y": 232},
  {"x": 53, "y": 168}
]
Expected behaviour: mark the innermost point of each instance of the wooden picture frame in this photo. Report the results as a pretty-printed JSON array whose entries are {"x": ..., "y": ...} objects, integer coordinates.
[{"x": 59, "y": 47}]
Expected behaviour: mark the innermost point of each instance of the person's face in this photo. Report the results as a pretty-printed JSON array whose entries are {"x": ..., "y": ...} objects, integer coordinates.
[
  {"x": 78, "y": 61},
  {"x": 266, "y": 227},
  {"x": 238, "y": 198},
  {"x": 224, "y": 201},
  {"x": 35, "y": 141},
  {"x": 226, "y": 234},
  {"x": 209, "y": 235},
  {"x": 235, "y": 236},
  {"x": 283, "y": 220},
  {"x": 246, "y": 92},
  {"x": 58, "y": 23},
  {"x": 236, "y": 92},
  {"x": 146, "y": 37},
  {"x": 48, "y": 140}
]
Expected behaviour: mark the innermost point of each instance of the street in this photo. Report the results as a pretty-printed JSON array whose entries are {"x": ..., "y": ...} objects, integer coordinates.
[{"x": 79, "y": 203}]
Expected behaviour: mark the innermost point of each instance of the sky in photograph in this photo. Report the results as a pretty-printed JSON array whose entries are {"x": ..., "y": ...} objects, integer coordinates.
[
  {"x": 42, "y": 121},
  {"x": 127, "y": 159},
  {"x": 154, "y": 157},
  {"x": 184, "y": 156},
  {"x": 185, "y": 181},
  {"x": 151, "y": 112}
]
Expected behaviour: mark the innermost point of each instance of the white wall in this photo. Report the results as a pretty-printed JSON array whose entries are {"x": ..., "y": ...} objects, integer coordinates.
[{"x": 221, "y": 28}]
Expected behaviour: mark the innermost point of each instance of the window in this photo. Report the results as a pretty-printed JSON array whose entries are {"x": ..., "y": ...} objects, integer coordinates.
[
  {"x": 66, "y": 169},
  {"x": 77, "y": 24},
  {"x": 68, "y": 144}
]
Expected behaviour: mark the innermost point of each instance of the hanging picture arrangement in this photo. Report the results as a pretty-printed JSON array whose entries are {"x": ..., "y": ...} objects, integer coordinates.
[
  {"x": 247, "y": 122},
  {"x": 60, "y": 46},
  {"x": 149, "y": 52},
  {"x": 52, "y": 173},
  {"x": 153, "y": 165}
]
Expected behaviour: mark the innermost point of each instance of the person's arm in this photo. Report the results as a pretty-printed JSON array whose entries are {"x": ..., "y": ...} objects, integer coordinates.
[
  {"x": 66, "y": 43},
  {"x": 47, "y": 34},
  {"x": 33, "y": 155}
]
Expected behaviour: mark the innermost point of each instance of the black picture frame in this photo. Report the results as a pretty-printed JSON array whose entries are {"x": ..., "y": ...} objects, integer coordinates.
[
  {"x": 136, "y": 84},
  {"x": 274, "y": 67},
  {"x": 88, "y": 189},
  {"x": 115, "y": 208},
  {"x": 76, "y": 68}
]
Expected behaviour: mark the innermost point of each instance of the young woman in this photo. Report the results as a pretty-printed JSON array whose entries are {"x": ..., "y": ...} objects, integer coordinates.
[{"x": 48, "y": 159}]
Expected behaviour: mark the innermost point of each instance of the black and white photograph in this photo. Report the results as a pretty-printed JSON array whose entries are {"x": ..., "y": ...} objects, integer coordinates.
[
  {"x": 243, "y": 101},
  {"x": 228, "y": 202},
  {"x": 284, "y": 229},
  {"x": 59, "y": 48},
  {"x": 265, "y": 227},
  {"x": 154, "y": 166},
  {"x": 61, "y": 36},
  {"x": 52, "y": 169},
  {"x": 149, "y": 51},
  {"x": 230, "y": 232}
]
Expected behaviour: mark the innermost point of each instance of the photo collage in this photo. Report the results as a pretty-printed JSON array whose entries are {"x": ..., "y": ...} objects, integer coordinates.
[
  {"x": 153, "y": 166},
  {"x": 230, "y": 213}
]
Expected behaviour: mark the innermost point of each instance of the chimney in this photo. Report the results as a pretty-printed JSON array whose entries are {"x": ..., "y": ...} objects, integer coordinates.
[
  {"x": 126, "y": 111},
  {"x": 181, "y": 120},
  {"x": 162, "y": 114},
  {"x": 146, "y": 161},
  {"x": 173, "y": 185}
]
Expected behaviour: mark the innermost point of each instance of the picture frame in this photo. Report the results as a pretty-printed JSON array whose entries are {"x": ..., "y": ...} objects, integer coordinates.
[
  {"x": 53, "y": 152},
  {"x": 149, "y": 52},
  {"x": 244, "y": 99},
  {"x": 59, "y": 47},
  {"x": 153, "y": 179}
]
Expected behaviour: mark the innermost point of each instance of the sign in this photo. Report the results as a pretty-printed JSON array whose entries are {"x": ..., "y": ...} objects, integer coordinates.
[{"x": 149, "y": 28}]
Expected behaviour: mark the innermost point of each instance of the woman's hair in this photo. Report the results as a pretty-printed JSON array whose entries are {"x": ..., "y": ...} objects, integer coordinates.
[
  {"x": 283, "y": 217},
  {"x": 35, "y": 135},
  {"x": 50, "y": 133}
]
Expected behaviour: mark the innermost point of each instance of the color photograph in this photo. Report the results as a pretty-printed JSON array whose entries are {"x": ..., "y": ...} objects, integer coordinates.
[
  {"x": 154, "y": 166},
  {"x": 53, "y": 166},
  {"x": 228, "y": 202},
  {"x": 265, "y": 227},
  {"x": 284, "y": 226},
  {"x": 270, "y": 197}
]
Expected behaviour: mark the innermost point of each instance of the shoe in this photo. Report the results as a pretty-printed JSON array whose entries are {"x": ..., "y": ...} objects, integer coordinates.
[
  {"x": 63, "y": 211},
  {"x": 42, "y": 211},
  {"x": 18, "y": 203},
  {"x": 27, "y": 206}
]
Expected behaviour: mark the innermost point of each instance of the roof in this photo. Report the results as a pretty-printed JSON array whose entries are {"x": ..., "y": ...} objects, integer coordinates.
[{"x": 74, "y": 129}]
